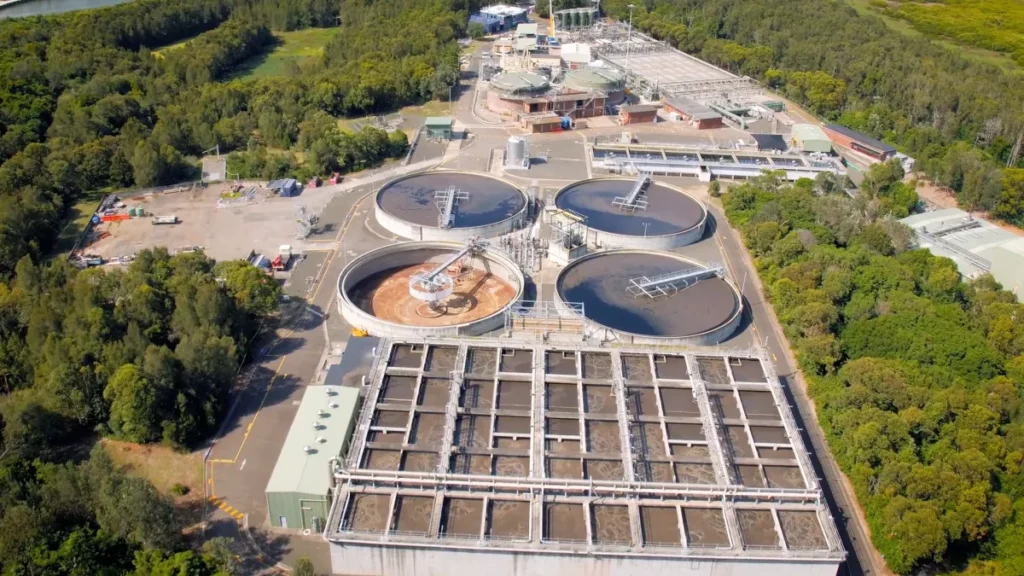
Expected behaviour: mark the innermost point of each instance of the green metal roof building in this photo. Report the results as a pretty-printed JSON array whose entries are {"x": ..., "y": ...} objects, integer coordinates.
[
  {"x": 811, "y": 138},
  {"x": 298, "y": 491},
  {"x": 439, "y": 127}
]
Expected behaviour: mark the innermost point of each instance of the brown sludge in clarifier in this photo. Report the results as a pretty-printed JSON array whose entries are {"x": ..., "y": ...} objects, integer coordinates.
[
  {"x": 802, "y": 530},
  {"x": 412, "y": 514},
  {"x": 599, "y": 399},
  {"x": 564, "y": 522},
  {"x": 757, "y": 528},
  {"x": 611, "y": 525},
  {"x": 705, "y": 527},
  {"x": 509, "y": 519},
  {"x": 462, "y": 517},
  {"x": 385, "y": 295},
  {"x": 369, "y": 512},
  {"x": 660, "y": 526}
]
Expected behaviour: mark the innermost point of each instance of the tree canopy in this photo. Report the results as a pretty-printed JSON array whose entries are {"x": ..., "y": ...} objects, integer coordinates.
[
  {"x": 917, "y": 375},
  {"x": 97, "y": 99}
]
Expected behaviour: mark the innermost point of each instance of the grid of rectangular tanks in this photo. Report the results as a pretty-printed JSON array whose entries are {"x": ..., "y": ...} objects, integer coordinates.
[{"x": 604, "y": 451}]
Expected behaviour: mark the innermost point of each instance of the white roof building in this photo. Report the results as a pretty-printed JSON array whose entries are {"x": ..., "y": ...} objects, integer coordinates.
[{"x": 976, "y": 245}]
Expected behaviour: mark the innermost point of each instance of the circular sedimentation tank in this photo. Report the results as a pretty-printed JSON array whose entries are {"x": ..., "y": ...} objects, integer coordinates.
[
  {"x": 408, "y": 206},
  {"x": 596, "y": 79},
  {"x": 519, "y": 83},
  {"x": 374, "y": 291},
  {"x": 704, "y": 313},
  {"x": 672, "y": 218}
]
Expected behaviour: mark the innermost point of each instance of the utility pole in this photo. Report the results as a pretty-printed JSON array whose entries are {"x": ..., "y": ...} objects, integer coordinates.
[{"x": 629, "y": 40}]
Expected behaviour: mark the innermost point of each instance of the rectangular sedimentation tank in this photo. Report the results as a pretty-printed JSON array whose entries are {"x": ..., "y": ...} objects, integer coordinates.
[{"x": 519, "y": 459}]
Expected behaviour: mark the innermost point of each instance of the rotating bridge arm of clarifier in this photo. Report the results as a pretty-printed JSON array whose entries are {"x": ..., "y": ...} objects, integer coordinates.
[
  {"x": 429, "y": 281},
  {"x": 634, "y": 200},
  {"x": 672, "y": 282},
  {"x": 446, "y": 201}
]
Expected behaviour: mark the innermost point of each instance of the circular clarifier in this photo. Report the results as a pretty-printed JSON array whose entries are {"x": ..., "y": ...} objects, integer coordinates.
[
  {"x": 412, "y": 206},
  {"x": 374, "y": 291},
  {"x": 671, "y": 218},
  {"x": 705, "y": 312}
]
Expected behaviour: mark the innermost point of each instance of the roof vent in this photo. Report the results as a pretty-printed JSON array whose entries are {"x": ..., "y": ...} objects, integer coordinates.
[
  {"x": 334, "y": 404},
  {"x": 316, "y": 425},
  {"x": 321, "y": 413},
  {"x": 329, "y": 392},
  {"x": 321, "y": 440},
  {"x": 307, "y": 449}
]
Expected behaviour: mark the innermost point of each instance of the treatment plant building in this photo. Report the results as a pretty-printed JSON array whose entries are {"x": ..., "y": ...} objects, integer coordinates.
[{"x": 298, "y": 493}]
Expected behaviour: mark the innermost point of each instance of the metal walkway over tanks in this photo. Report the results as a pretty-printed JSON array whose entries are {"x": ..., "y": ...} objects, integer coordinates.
[
  {"x": 635, "y": 200},
  {"x": 672, "y": 282}
]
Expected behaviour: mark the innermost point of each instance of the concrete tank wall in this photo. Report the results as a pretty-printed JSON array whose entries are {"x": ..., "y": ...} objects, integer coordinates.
[
  {"x": 603, "y": 239},
  {"x": 504, "y": 106},
  {"x": 605, "y": 334},
  {"x": 413, "y": 231},
  {"x": 361, "y": 559},
  {"x": 666, "y": 242},
  {"x": 409, "y": 254}
]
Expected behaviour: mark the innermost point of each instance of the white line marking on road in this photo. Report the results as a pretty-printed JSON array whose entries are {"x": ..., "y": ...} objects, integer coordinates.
[{"x": 242, "y": 466}]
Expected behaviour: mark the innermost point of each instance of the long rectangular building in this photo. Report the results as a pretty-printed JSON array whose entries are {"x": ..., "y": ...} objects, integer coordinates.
[{"x": 518, "y": 458}]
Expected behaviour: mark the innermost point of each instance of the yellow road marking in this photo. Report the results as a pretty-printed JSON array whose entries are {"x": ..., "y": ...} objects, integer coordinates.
[{"x": 257, "y": 414}]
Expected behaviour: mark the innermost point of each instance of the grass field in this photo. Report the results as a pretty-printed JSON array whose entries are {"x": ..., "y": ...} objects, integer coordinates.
[
  {"x": 164, "y": 468},
  {"x": 432, "y": 108},
  {"x": 291, "y": 47},
  {"x": 78, "y": 218},
  {"x": 904, "y": 26}
]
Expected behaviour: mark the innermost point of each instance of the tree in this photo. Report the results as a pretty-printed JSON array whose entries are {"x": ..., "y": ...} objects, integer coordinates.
[
  {"x": 476, "y": 30},
  {"x": 303, "y": 567},
  {"x": 254, "y": 292},
  {"x": 133, "y": 411}
]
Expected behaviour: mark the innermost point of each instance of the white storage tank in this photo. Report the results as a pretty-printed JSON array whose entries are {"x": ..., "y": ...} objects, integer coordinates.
[{"x": 516, "y": 155}]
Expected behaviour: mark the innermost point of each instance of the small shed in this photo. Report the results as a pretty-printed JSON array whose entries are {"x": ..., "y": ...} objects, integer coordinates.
[
  {"x": 298, "y": 494},
  {"x": 284, "y": 187},
  {"x": 770, "y": 142},
  {"x": 541, "y": 122},
  {"x": 638, "y": 114},
  {"x": 439, "y": 127},
  {"x": 811, "y": 138},
  {"x": 700, "y": 116}
]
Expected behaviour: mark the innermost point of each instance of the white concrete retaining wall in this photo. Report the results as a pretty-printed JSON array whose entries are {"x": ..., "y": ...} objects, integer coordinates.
[{"x": 361, "y": 559}]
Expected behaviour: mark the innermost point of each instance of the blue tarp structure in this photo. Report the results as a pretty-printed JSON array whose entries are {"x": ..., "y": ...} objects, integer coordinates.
[{"x": 285, "y": 187}]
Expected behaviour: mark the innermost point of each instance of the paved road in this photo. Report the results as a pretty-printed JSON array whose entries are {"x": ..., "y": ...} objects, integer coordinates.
[
  {"x": 767, "y": 331},
  {"x": 241, "y": 460}
]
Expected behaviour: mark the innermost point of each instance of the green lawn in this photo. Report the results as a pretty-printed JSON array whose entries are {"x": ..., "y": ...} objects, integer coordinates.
[
  {"x": 291, "y": 47},
  {"x": 1004, "y": 61},
  {"x": 79, "y": 216}
]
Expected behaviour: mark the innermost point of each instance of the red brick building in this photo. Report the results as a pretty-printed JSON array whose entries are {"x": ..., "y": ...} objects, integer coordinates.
[
  {"x": 696, "y": 114},
  {"x": 858, "y": 142},
  {"x": 638, "y": 114}
]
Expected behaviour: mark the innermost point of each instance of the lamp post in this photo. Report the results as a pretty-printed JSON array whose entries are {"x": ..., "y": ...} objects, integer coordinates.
[{"x": 629, "y": 39}]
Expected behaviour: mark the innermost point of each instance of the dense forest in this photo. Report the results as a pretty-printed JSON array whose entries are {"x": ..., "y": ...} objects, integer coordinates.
[
  {"x": 991, "y": 24},
  {"x": 86, "y": 103},
  {"x": 131, "y": 95},
  {"x": 145, "y": 354},
  {"x": 917, "y": 376},
  {"x": 959, "y": 119}
]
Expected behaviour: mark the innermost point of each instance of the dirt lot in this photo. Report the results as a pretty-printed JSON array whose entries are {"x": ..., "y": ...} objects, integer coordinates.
[
  {"x": 164, "y": 468},
  {"x": 942, "y": 197},
  {"x": 227, "y": 228}
]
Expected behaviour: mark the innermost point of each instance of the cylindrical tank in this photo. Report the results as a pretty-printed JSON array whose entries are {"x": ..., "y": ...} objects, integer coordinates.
[{"x": 515, "y": 151}]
